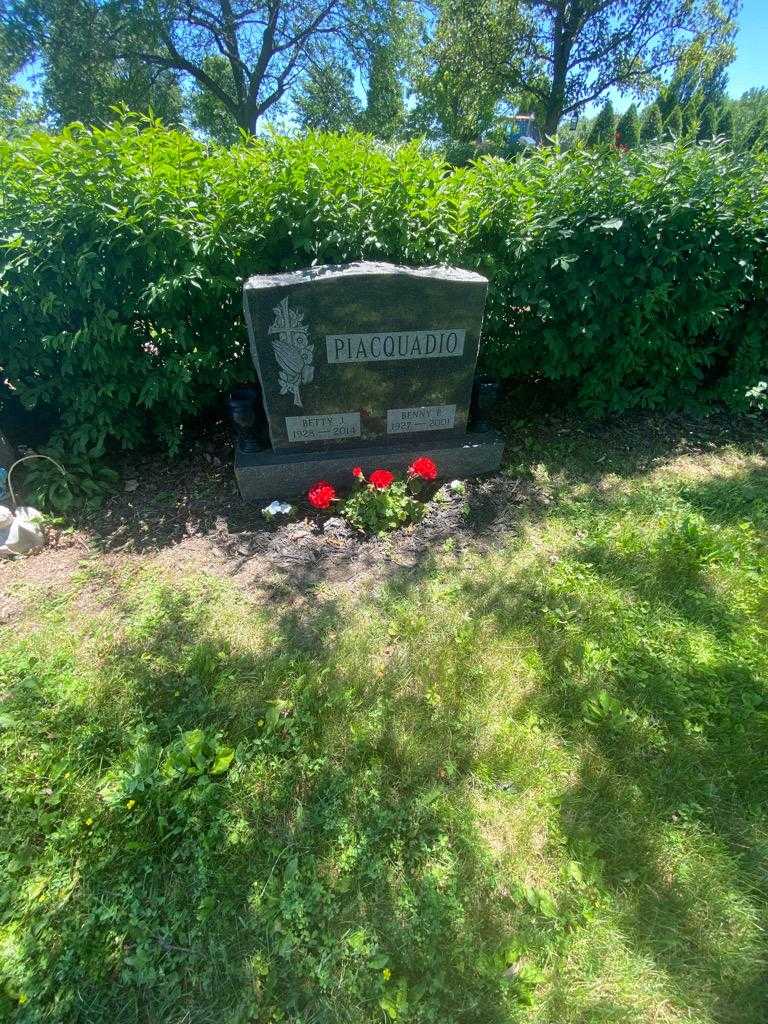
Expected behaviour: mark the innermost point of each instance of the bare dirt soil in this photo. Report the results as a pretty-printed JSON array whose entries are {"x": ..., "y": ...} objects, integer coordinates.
[{"x": 187, "y": 512}]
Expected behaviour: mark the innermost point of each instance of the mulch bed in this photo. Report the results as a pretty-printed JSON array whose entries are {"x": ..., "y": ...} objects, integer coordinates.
[
  {"x": 188, "y": 510},
  {"x": 193, "y": 503}
]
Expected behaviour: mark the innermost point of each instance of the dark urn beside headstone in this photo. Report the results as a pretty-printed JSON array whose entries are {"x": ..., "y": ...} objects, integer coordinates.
[
  {"x": 364, "y": 364},
  {"x": 485, "y": 397},
  {"x": 244, "y": 412}
]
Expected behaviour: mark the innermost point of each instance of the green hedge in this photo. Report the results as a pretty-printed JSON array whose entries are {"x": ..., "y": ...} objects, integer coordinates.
[{"x": 639, "y": 279}]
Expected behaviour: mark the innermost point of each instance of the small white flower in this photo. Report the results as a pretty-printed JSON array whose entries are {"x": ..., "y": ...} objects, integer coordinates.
[
  {"x": 277, "y": 508},
  {"x": 457, "y": 486}
]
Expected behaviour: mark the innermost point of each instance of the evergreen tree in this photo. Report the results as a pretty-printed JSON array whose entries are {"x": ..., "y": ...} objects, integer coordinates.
[
  {"x": 690, "y": 118},
  {"x": 725, "y": 124},
  {"x": 652, "y": 125},
  {"x": 674, "y": 124},
  {"x": 384, "y": 112},
  {"x": 751, "y": 107},
  {"x": 708, "y": 125},
  {"x": 603, "y": 131},
  {"x": 629, "y": 128},
  {"x": 327, "y": 101},
  {"x": 755, "y": 136}
]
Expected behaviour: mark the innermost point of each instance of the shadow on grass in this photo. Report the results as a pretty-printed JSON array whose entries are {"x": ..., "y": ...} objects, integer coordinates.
[
  {"x": 581, "y": 449},
  {"x": 669, "y": 802},
  {"x": 330, "y": 875},
  {"x": 339, "y": 867}
]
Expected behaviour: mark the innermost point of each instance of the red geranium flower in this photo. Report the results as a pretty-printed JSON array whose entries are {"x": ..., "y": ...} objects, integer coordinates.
[
  {"x": 321, "y": 494},
  {"x": 424, "y": 468},
  {"x": 381, "y": 478},
  {"x": 358, "y": 472}
]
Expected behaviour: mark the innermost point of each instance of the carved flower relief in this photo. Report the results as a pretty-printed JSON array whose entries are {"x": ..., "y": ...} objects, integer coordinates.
[{"x": 293, "y": 350}]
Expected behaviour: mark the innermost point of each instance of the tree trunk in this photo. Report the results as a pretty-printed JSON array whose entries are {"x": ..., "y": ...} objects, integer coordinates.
[
  {"x": 562, "y": 42},
  {"x": 552, "y": 114}
]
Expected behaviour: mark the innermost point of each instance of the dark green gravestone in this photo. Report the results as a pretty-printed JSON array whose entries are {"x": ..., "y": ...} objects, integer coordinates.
[{"x": 365, "y": 364}]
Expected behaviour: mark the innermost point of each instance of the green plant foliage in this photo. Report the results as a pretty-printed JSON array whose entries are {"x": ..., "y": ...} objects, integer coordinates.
[
  {"x": 726, "y": 124},
  {"x": 327, "y": 100},
  {"x": 384, "y": 112},
  {"x": 209, "y": 114},
  {"x": 195, "y": 755},
  {"x": 674, "y": 123},
  {"x": 652, "y": 126},
  {"x": 156, "y": 774},
  {"x": 749, "y": 116},
  {"x": 604, "y": 127},
  {"x": 708, "y": 126},
  {"x": 84, "y": 81},
  {"x": 85, "y": 483},
  {"x": 757, "y": 396},
  {"x": 641, "y": 281},
  {"x": 374, "y": 510},
  {"x": 629, "y": 128},
  {"x": 754, "y": 138}
]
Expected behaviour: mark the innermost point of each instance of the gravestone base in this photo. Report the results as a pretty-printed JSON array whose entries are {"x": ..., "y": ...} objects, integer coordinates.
[{"x": 270, "y": 475}]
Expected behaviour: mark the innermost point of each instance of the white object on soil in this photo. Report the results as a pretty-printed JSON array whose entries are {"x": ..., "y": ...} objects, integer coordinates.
[
  {"x": 20, "y": 532},
  {"x": 277, "y": 508}
]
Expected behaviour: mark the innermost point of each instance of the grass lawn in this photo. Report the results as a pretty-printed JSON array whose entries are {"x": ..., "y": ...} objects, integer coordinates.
[{"x": 525, "y": 782}]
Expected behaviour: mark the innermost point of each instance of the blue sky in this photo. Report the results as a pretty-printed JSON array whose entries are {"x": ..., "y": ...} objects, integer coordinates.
[
  {"x": 750, "y": 68},
  {"x": 751, "y": 65}
]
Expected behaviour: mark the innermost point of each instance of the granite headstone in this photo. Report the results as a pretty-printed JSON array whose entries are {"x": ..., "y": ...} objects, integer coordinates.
[{"x": 366, "y": 363}]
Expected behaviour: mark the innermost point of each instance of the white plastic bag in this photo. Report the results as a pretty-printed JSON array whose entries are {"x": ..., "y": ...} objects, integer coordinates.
[{"x": 23, "y": 533}]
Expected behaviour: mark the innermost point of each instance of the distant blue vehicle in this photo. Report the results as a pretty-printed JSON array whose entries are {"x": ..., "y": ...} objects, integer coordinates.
[{"x": 523, "y": 130}]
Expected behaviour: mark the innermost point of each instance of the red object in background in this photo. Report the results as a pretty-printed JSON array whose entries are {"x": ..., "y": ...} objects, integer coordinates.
[
  {"x": 358, "y": 472},
  {"x": 381, "y": 478},
  {"x": 321, "y": 494},
  {"x": 424, "y": 468}
]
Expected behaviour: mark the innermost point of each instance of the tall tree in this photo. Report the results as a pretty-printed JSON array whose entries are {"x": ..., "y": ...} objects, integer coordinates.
[
  {"x": 726, "y": 124},
  {"x": 603, "y": 132},
  {"x": 385, "y": 107},
  {"x": 563, "y": 55},
  {"x": 708, "y": 124},
  {"x": 652, "y": 125},
  {"x": 327, "y": 100},
  {"x": 576, "y": 50},
  {"x": 699, "y": 79},
  {"x": 387, "y": 48},
  {"x": 208, "y": 113},
  {"x": 17, "y": 113},
  {"x": 83, "y": 79},
  {"x": 629, "y": 128},
  {"x": 269, "y": 45},
  {"x": 10, "y": 94},
  {"x": 674, "y": 125},
  {"x": 82, "y": 85},
  {"x": 470, "y": 54},
  {"x": 750, "y": 117}
]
